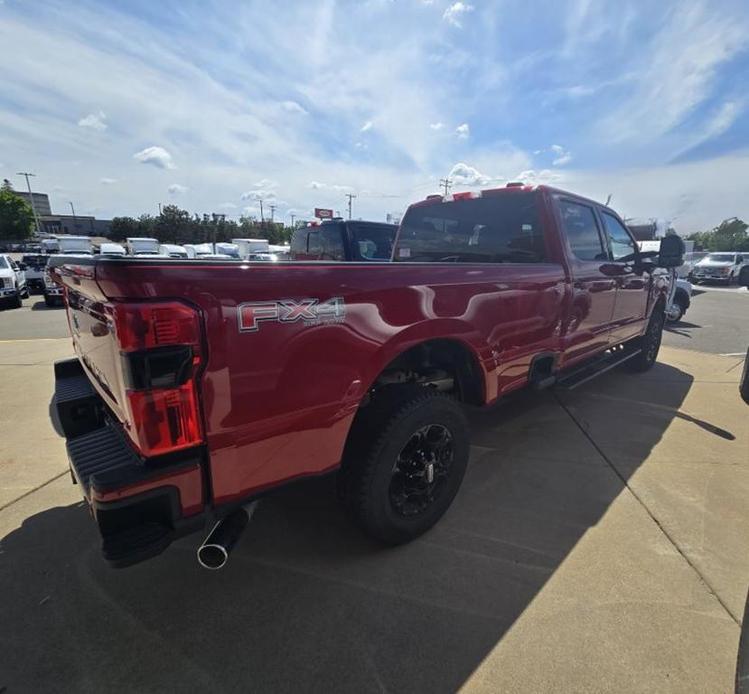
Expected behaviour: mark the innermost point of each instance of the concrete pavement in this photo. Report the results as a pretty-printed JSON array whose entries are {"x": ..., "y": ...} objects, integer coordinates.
[{"x": 598, "y": 544}]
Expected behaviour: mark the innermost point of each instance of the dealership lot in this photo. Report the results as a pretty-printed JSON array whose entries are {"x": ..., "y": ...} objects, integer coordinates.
[{"x": 598, "y": 544}]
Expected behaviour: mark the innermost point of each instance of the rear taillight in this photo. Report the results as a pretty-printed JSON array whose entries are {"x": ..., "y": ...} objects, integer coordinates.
[{"x": 161, "y": 353}]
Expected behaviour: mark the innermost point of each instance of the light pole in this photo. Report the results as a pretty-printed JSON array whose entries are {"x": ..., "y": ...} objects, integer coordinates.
[
  {"x": 350, "y": 197},
  {"x": 31, "y": 197}
]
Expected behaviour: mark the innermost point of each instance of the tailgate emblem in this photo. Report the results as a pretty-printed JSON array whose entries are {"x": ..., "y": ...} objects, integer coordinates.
[{"x": 310, "y": 311}]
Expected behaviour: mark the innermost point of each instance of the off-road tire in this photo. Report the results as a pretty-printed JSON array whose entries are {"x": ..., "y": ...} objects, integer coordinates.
[
  {"x": 679, "y": 304},
  {"x": 378, "y": 437},
  {"x": 649, "y": 343},
  {"x": 16, "y": 302}
]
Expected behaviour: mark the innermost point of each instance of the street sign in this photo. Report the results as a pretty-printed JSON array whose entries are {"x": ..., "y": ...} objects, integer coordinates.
[{"x": 322, "y": 213}]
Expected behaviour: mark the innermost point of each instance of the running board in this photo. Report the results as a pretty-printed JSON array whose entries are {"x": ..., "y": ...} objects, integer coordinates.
[{"x": 577, "y": 377}]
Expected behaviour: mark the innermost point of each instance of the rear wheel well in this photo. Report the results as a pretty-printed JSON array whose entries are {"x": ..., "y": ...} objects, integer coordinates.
[{"x": 447, "y": 365}]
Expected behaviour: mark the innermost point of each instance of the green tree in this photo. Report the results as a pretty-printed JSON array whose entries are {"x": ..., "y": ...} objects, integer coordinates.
[
  {"x": 122, "y": 227},
  {"x": 729, "y": 235},
  {"x": 173, "y": 224},
  {"x": 16, "y": 217}
]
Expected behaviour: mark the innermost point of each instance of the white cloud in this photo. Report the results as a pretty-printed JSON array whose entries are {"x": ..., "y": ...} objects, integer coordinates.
[
  {"x": 562, "y": 156},
  {"x": 227, "y": 206},
  {"x": 720, "y": 121},
  {"x": 177, "y": 189},
  {"x": 251, "y": 211},
  {"x": 465, "y": 175},
  {"x": 454, "y": 13},
  {"x": 317, "y": 185},
  {"x": 367, "y": 126},
  {"x": 156, "y": 156},
  {"x": 533, "y": 177},
  {"x": 264, "y": 189},
  {"x": 678, "y": 74},
  {"x": 293, "y": 107},
  {"x": 463, "y": 131},
  {"x": 437, "y": 126},
  {"x": 107, "y": 181},
  {"x": 94, "y": 121}
]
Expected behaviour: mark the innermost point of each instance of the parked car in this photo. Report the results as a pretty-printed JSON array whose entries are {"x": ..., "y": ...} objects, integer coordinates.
[
  {"x": 34, "y": 266},
  {"x": 198, "y": 388},
  {"x": 198, "y": 250},
  {"x": 142, "y": 245},
  {"x": 337, "y": 239},
  {"x": 723, "y": 267},
  {"x": 690, "y": 260},
  {"x": 681, "y": 301},
  {"x": 53, "y": 291},
  {"x": 13, "y": 286},
  {"x": 113, "y": 250},
  {"x": 171, "y": 250}
]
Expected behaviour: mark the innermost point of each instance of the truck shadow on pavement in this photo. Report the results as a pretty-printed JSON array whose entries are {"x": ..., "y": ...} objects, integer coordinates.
[{"x": 308, "y": 603}]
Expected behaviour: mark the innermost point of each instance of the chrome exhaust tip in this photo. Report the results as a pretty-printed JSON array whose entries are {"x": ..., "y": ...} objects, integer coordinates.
[{"x": 214, "y": 552}]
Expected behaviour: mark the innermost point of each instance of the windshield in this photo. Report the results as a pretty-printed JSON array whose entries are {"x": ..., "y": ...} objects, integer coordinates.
[
  {"x": 373, "y": 241},
  {"x": 721, "y": 257},
  {"x": 35, "y": 260},
  {"x": 3, "y": 263},
  {"x": 502, "y": 228}
]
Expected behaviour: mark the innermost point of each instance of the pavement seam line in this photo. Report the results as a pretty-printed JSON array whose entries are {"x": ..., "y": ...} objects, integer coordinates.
[
  {"x": 35, "y": 489},
  {"x": 660, "y": 526}
]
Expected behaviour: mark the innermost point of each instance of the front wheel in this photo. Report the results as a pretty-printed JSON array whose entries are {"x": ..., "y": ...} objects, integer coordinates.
[
  {"x": 649, "y": 344},
  {"x": 406, "y": 462}
]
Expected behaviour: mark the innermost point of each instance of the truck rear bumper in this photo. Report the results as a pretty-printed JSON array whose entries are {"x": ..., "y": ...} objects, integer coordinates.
[{"x": 140, "y": 505}]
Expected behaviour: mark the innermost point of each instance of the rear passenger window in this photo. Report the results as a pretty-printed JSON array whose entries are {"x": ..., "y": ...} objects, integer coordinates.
[
  {"x": 621, "y": 242},
  {"x": 314, "y": 245},
  {"x": 580, "y": 226},
  {"x": 332, "y": 243}
]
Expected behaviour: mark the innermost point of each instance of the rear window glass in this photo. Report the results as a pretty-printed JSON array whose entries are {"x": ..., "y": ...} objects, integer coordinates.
[
  {"x": 372, "y": 241},
  {"x": 498, "y": 229}
]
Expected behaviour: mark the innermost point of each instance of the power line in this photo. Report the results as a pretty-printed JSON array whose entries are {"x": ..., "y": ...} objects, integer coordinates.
[
  {"x": 447, "y": 183},
  {"x": 31, "y": 197},
  {"x": 350, "y": 197}
]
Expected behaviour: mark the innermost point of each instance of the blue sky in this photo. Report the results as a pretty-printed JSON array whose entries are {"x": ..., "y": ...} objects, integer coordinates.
[{"x": 120, "y": 106}]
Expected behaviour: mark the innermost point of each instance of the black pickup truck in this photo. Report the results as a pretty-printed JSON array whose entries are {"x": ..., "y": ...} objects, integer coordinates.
[{"x": 337, "y": 239}]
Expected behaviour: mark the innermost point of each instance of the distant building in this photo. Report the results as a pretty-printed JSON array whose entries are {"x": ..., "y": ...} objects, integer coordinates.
[
  {"x": 39, "y": 201},
  {"x": 49, "y": 223}
]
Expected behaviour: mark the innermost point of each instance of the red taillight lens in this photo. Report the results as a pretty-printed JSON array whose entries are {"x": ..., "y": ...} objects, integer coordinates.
[
  {"x": 144, "y": 326},
  {"x": 161, "y": 419},
  {"x": 164, "y": 420}
]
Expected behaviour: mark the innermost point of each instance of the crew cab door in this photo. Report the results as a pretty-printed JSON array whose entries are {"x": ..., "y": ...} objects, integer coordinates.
[
  {"x": 588, "y": 323},
  {"x": 632, "y": 288}
]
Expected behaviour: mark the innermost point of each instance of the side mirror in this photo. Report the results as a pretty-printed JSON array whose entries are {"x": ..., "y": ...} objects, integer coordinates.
[
  {"x": 21, "y": 266},
  {"x": 671, "y": 253}
]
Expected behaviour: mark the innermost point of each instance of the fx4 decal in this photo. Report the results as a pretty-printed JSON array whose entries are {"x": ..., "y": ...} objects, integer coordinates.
[{"x": 252, "y": 313}]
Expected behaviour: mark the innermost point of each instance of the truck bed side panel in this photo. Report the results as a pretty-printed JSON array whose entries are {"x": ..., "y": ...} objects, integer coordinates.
[{"x": 278, "y": 400}]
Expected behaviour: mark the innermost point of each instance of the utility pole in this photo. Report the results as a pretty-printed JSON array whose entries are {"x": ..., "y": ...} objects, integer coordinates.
[
  {"x": 31, "y": 197},
  {"x": 159, "y": 209},
  {"x": 272, "y": 210},
  {"x": 447, "y": 183},
  {"x": 260, "y": 200},
  {"x": 350, "y": 197}
]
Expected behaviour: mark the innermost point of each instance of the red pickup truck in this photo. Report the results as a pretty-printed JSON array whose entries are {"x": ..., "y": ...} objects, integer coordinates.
[{"x": 199, "y": 387}]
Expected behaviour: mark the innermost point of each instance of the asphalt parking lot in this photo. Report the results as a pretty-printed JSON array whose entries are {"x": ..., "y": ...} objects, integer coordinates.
[{"x": 598, "y": 544}]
